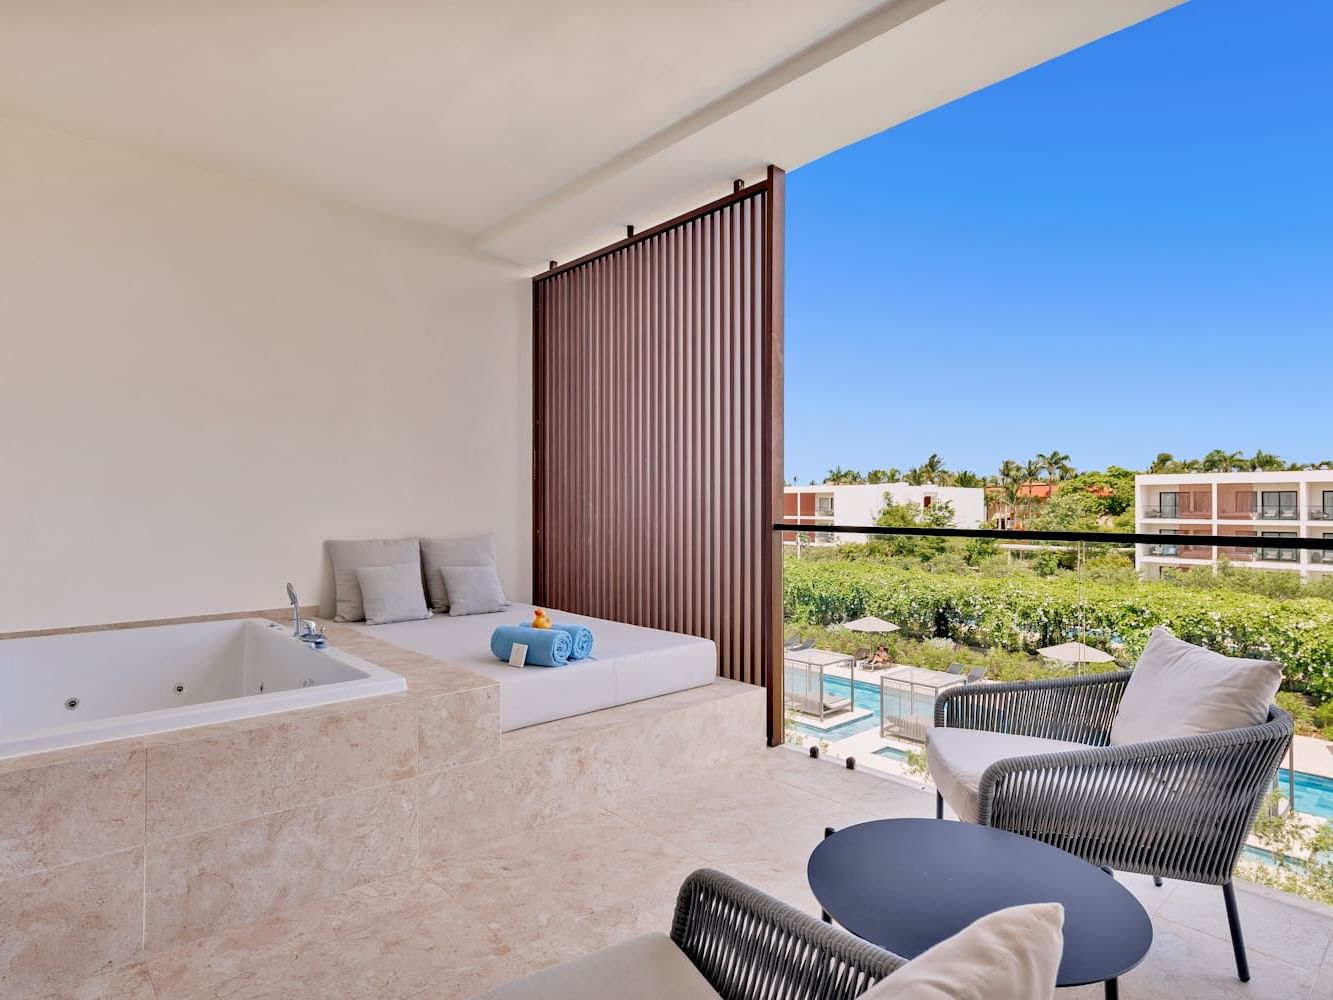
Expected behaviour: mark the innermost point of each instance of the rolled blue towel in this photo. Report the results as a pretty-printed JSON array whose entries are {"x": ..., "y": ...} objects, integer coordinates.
[
  {"x": 582, "y": 637},
  {"x": 547, "y": 647}
]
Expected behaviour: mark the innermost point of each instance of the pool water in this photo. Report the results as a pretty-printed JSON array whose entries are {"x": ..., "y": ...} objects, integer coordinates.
[
  {"x": 893, "y": 753},
  {"x": 865, "y": 695},
  {"x": 1314, "y": 793}
]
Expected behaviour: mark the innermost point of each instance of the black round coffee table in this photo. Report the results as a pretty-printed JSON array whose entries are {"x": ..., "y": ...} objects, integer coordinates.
[{"x": 907, "y": 884}]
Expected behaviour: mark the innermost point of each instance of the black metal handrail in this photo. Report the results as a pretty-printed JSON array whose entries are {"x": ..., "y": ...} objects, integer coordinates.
[{"x": 1099, "y": 537}]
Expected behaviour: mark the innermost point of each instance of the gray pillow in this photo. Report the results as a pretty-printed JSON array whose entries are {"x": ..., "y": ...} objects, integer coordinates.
[
  {"x": 1179, "y": 689},
  {"x": 473, "y": 590},
  {"x": 437, "y": 553},
  {"x": 392, "y": 593},
  {"x": 349, "y": 556}
]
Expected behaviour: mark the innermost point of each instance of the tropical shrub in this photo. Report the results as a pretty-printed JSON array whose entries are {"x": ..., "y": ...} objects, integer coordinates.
[{"x": 1025, "y": 613}]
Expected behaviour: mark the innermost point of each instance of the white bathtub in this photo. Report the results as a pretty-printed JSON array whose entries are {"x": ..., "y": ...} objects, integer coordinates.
[{"x": 68, "y": 690}]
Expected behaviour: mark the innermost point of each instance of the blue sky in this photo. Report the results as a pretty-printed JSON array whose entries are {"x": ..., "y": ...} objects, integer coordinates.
[{"x": 1124, "y": 251}]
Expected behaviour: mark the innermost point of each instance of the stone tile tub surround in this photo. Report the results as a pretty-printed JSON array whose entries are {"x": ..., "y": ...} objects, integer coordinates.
[{"x": 117, "y": 851}]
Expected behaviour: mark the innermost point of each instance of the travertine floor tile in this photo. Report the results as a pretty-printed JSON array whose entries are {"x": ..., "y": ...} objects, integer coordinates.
[
  {"x": 496, "y": 911},
  {"x": 1271, "y": 926},
  {"x": 130, "y": 982},
  {"x": 392, "y": 959},
  {"x": 565, "y": 870},
  {"x": 1186, "y": 964},
  {"x": 200, "y": 964}
]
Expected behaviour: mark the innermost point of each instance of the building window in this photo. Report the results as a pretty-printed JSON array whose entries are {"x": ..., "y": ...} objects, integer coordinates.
[
  {"x": 1278, "y": 555},
  {"x": 1165, "y": 550},
  {"x": 824, "y": 506},
  {"x": 1278, "y": 505}
]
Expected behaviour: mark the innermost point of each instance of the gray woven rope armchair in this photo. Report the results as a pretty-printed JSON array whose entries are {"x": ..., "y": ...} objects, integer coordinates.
[
  {"x": 749, "y": 945},
  {"x": 727, "y": 941},
  {"x": 1176, "y": 808}
]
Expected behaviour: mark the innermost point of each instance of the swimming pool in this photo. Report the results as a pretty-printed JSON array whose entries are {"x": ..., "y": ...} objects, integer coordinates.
[
  {"x": 865, "y": 695},
  {"x": 1314, "y": 793}
]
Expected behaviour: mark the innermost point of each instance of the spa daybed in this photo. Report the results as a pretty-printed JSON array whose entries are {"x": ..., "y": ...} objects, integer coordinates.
[{"x": 629, "y": 663}]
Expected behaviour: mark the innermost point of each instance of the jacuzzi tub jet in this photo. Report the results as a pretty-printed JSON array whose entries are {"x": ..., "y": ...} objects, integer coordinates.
[{"x": 71, "y": 703}]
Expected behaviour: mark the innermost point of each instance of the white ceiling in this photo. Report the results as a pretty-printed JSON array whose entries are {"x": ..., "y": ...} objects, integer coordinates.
[{"x": 533, "y": 127}]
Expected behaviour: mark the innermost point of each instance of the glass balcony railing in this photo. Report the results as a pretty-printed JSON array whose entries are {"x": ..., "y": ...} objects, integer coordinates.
[
  {"x": 1321, "y": 513},
  {"x": 1273, "y": 554},
  {"x": 1176, "y": 514},
  {"x": 1174, "y": 550},
  {"x": 1277, "y": 514},
  {"x": 890, "y": 622}
]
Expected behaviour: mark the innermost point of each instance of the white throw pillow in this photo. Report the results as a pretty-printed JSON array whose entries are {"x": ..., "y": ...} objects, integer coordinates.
[
  {"x": 437, "y": 553},
  {"x": 1179, "y": 689},
  {"x": 349, "y": 556},
  {"x": 473, "y": 590},
  {"x": 392, "y": 593},
  {"x": 1011, "y": 954}
]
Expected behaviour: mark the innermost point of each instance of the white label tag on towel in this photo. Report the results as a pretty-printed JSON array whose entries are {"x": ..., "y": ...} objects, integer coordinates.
[{"x": 518, "y": 654}]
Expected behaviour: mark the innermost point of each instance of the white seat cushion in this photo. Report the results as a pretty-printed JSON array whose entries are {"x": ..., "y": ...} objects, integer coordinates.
[
  {"x": 957, "y": 758},
  {"x": 1179, "y": 689},
  {"x": 645, "y": 968},
  {"x": 1011, "y": 954}
]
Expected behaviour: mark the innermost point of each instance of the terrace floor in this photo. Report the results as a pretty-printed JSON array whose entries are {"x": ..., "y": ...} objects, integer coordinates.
[{"x": 525, "y": 901}]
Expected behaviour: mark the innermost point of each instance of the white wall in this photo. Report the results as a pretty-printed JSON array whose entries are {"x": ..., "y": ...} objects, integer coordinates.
[
  {"x": 862, "y": 504},
  {"x": 202, "y": 378}
]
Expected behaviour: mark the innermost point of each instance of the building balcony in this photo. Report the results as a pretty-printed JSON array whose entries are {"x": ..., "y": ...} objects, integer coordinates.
[
  {"x": 1284, "y": 555},
  {"x": 1320, "y": 513},
  {"x": 1174, "y": 551},
  {"x": 1169, "y": 513},
  {"x": 1319, "y": 558},
  {"x": 1277, "y": 514}
]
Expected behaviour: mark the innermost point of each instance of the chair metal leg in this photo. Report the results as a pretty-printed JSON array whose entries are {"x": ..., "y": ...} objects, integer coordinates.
[
  {"x": 1157, "y": 881},
  {"x": 1237, "y": 938},
  {"x": 823, "y": 913},
  {"x": 939, "y": 806},
  {"x": 1113, "y": 989}
]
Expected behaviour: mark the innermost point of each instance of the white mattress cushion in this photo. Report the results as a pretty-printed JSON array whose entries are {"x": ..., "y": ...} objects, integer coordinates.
[
  {"x": 645, "y": 968},
  {"x": 629, "y": 663}
]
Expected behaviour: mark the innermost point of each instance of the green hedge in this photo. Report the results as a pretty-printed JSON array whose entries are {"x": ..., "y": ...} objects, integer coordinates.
[{"x": 1026, "y": 613}]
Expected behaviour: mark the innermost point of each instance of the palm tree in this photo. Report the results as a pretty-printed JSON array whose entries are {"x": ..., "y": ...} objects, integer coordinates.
[
  {"x": 1265, "y": 461},
  {"x": 1056, "y": 465},
  {"x": 1218, "y": 460},
  {"x": 1164, "y": 462},
  {"x": 841, "y": 476},
  {"x": 1008, "y": 470},
  {"x": 917, "y": 476},
  {"x": 1011, "y": 489},
  {"x": 1032, "y": 470},
  {"x": 967, "y": 479},
  {"x": 877, "y": 476},
  {"x": 933, "y": 468}
]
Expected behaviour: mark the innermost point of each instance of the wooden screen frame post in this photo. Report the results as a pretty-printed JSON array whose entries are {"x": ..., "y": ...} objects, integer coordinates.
[
  {"x": 763, "y": 558},
  {"x": 775, "y": 228}
]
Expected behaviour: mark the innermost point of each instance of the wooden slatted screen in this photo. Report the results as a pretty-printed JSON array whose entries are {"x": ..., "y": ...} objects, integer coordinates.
[{"x": 658, "y": 432}]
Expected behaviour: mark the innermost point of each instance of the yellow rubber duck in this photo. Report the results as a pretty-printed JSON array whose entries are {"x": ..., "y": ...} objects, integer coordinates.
[{"x": 539, "y": 619}]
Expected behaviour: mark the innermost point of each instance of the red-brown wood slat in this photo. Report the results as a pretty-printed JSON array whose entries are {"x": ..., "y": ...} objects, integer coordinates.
[{"x": 657, "y": 438}]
